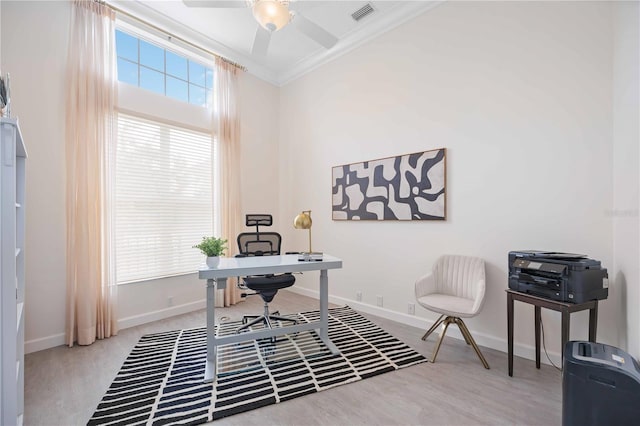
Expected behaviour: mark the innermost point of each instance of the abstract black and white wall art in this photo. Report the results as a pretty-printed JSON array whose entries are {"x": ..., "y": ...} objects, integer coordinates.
[{"x": 406, "y": 187}]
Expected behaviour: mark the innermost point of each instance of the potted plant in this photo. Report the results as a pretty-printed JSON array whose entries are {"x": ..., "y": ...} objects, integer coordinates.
[{"x": 213, "y": 248}]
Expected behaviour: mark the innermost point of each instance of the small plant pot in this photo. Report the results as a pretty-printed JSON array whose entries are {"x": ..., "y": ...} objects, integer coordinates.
[{"x": 212, "y": 262}]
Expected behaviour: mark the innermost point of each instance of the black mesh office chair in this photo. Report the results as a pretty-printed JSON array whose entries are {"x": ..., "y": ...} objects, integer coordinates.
[{"x": 263, "y": 244}]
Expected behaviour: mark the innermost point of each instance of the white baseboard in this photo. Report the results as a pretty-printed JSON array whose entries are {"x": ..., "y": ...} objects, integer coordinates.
[
  {"x": 43, "y": 343},
  {"x": 147, "y": 317},
  {"x": 482, "y": 339}
]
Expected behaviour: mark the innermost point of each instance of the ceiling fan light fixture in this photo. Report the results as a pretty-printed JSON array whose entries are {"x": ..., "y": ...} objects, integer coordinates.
[{"x": 272, "y": 15}]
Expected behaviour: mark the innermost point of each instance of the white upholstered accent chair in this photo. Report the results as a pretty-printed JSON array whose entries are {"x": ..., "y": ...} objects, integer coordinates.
[{"x": 455, "y": 290}]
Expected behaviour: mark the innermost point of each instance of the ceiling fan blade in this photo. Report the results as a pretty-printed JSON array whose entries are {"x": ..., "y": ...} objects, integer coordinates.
[
  {"x": 261, "y": 42},
  {"x": 215, "y": 3},
  {"x": 314, "y": 31}
]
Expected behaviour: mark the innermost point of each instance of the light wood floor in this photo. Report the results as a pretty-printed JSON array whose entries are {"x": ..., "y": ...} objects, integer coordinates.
[{"x": 63, "y": 385}]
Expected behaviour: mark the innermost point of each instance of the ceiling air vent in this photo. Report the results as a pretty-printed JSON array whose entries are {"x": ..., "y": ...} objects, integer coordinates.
[{"x": 365, "y": 10}]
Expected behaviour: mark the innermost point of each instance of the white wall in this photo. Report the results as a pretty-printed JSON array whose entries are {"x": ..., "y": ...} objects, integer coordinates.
[
  {"x": 520, "y": 95},
  {"x": 259, "y": 159},
  {"x": 36, "y": 61},
  {"x": 626, "y": 163}
]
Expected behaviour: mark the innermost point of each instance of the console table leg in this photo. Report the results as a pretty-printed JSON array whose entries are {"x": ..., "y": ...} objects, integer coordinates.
[
  {"x": 510, "y": 332},
  {"x": 210, "y": 367},
  {"x": 536, "y": 318},
  {"x": 566, "y": 318}
]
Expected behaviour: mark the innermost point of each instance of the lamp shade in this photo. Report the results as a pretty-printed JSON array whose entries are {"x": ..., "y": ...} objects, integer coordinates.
[
  {"x": 303, "y": 220},
  {"x": 271, "y": 14}
]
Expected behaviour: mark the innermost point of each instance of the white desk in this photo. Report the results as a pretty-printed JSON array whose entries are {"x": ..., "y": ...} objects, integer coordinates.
[{"x": 260, "y": 265}]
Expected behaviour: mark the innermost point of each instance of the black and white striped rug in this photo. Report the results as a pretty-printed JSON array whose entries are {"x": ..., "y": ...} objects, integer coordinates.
[{"x": 161, "y": 380}]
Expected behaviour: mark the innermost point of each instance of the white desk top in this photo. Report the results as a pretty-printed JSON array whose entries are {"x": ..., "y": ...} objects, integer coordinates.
[{"x": 258, "y": 265}]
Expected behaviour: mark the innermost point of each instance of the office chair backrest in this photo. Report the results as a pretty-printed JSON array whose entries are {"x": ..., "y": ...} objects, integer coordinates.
[{"x": 259, "y": 243}]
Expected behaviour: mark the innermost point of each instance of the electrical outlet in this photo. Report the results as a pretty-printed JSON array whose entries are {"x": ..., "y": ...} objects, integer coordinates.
[
  {"x": 170, "y": 301},
  {"x": 359, "y": 296},
  {"x": 411, "y": 309},
  {"x": 380, "y": 301}
]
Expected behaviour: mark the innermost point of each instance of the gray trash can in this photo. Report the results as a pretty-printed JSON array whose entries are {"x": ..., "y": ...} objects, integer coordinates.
[{"x": 600, "y": 385}]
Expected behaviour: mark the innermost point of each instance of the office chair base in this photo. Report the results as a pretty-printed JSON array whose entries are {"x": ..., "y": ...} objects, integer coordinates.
[
  {"x": 246, "y": 318},
  {"x": 465, "y": 333},
  {"x": 265, "y": 319}
]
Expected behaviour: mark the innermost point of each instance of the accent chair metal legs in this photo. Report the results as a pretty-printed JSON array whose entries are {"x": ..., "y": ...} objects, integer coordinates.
[
  {"x": 433, "y": 327},
  {"x": 445, "y": 321}
]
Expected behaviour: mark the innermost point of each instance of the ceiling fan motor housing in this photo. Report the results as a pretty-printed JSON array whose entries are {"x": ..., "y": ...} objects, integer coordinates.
[{"x": 271, "y": 14}]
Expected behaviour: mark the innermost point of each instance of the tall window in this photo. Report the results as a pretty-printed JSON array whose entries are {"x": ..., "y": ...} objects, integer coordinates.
[
  {"x": 159, "y": 70},
  {"x": 164, "y": 196}
]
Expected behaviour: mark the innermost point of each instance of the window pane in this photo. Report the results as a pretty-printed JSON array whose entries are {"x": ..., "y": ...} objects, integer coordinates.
[
  {"x": 177, "y": 89},
  {"x": 197, "y": 95},
  {"x": 196, "y": 73},
  {"x": 176, "y": 65},
  {"x": 127, "y": 72},
  {"x": 126, "y": 46},
  {"x": 153, "y": 68},
  {"x": 152, "y": 80},
  {"x": 209, "y": 78},
  {"x": 151, "y": 56}
]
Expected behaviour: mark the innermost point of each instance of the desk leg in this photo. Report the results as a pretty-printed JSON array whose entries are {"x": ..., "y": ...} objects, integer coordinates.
[
  {"x": 510, "y": 332},
  {"x": 324, "y": 312},
  {"x": 566, "y": 325},
  {"x": 536, "y": 319},
  {"x": 593, "y": 323},
  {"x": 210, "y": 367}
]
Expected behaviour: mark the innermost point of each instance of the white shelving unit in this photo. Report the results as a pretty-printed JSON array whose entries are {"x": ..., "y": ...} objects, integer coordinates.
[{"x": 12, "y": 223}]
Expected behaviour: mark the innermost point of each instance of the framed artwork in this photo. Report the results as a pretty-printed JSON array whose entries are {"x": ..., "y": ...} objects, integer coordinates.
[{"x": 406, "y": 187}]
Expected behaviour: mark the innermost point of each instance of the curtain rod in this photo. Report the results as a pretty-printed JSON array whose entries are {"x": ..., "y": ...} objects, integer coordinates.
[{"x": 171, "y": 36}]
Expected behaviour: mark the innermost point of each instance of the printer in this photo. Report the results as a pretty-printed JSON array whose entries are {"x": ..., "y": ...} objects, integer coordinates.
[{"x": 565, "y": 277}]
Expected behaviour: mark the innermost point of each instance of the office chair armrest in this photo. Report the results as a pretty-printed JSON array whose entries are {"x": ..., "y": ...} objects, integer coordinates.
[
  {"x": 425, "y": 285},
  {"x": 479, "y": 296}
]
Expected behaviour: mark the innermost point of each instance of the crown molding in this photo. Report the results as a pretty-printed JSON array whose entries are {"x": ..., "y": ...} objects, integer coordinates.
[{"x": 358, "y": 37}]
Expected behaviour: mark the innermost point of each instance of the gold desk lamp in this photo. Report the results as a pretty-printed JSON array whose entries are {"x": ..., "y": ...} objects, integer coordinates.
[{"x": 303, "y": 221}]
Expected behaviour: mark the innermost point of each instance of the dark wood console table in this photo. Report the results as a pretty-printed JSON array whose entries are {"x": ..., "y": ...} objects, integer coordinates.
[{"x": 539, "y": 302}]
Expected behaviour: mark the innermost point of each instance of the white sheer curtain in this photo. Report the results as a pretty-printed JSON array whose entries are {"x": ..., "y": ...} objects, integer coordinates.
[
  {"x": 227, "y": 130},
  {"x": 90, "y": 149}
]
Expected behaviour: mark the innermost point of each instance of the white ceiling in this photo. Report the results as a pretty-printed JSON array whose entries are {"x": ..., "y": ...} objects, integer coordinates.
[{"x": 230, "y": 32}]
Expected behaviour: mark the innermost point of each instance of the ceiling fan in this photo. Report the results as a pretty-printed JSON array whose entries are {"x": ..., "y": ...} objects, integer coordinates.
[{"x": 272, "y": 15}]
